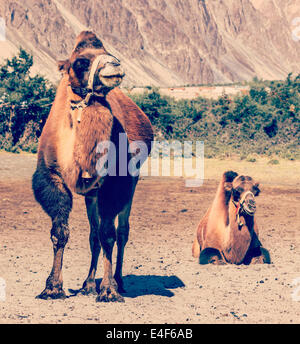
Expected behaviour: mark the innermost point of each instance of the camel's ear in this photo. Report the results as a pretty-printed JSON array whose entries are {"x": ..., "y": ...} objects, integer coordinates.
[
  {"x": 227, "y": 186},
  {"x": 227, "y": 191},
  {"x": 256, "y": 189},
  {"x": 229, "y": 176},
  {"x": 63, "y": 66}
]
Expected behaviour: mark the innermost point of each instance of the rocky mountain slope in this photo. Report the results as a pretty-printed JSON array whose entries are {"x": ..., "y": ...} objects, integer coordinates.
[{"x": 162, "y": 42}]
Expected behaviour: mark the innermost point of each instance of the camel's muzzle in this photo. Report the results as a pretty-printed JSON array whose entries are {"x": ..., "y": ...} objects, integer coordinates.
[
  {"x": 248, "y": 203},
  {"x": 107, "y": 72}
]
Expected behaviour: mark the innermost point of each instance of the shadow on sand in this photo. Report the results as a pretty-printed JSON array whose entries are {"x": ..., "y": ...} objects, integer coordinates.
[
  {"x": 136, "y": 285},
  {"x": 140, "y": 285}
]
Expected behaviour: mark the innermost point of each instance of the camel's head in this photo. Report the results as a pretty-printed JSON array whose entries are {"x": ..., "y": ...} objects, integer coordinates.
[
  {"x": 91, "y": 68},
  {"x": 243, "y": 190}
]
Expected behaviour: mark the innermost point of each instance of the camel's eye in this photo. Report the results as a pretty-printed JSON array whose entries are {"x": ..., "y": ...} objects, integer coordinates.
[
  {"x": 255, "y": 189},
  {"x": 81, "y": 65},
  {"x": 237, "y": 193}
]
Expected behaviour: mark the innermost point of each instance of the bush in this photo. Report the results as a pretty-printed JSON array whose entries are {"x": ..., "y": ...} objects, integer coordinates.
[
  {"x": 25, "y": 102},
  {"x": 264, "y": 122},
  {"x": 274, "y": 162},
  {"x": 251, "y": 159}
]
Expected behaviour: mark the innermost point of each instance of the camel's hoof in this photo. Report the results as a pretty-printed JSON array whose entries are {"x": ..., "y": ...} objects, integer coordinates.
[
  {"x": 89, "y": 288},
  {"x": 109, "y": 294},
  {"x": 52, "y": 294}
]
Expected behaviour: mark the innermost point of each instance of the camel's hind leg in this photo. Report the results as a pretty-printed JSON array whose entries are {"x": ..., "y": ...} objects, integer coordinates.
[
  {"x": 56, "y": 200},
  {"x": 91, "y": 202},
  {"x": 211, "y": 256},
  {"x": 122, "y": 238},
  {"x": 115, "y": 198},
  {"x": 108, "y": 286}
]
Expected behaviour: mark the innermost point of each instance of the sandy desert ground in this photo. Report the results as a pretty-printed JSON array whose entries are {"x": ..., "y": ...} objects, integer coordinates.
[{"x": 164, "y": 283}]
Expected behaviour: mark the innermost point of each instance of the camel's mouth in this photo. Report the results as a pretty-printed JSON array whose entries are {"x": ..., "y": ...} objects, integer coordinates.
[
  {"x": 249, "y": 207},
  {"x": 112, "y": 73},
  {"x": 112, "y": 80},
  {"x": 248, "y": 203}
]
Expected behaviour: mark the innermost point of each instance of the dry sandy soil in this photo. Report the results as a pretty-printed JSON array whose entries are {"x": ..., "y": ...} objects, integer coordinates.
[{"x": 164, "y": 284}]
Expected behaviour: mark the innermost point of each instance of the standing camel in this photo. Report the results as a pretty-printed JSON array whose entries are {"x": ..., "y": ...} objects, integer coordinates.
[{"x": 88, "y": 110}]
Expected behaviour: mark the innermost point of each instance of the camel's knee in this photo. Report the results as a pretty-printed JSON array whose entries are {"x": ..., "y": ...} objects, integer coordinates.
[
  {"x": 122, "y": 234},
  {"x": 265, "y": 254},
  {"x": 50, "y": 191},
  {"x": 210, "y": 256},
  {"x": 108, "y": 242},
  {"x": 258, "y": 255},
  {"x": 123, "y": 226},
  {"x": 59, "y": 234},
  {"x": 107, "y": 234}
]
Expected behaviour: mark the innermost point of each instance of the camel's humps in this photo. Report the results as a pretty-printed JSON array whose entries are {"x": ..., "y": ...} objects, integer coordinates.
[
  {"x": 228, "y": 232},
  {"x": 88, "y": 110}
]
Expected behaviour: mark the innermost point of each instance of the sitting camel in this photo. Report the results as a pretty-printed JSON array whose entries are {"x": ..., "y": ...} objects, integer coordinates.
[
  {"x": 89, "y": 110},
  {"x": 228, "y": 232}
]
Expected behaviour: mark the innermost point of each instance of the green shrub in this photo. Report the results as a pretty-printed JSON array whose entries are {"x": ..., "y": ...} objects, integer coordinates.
[
  {"x": 274, "y": 162},
  {"x": 251, "y": 159},
  {"x": 25, "y": 102},
  {"x": 265, "y": 122}
]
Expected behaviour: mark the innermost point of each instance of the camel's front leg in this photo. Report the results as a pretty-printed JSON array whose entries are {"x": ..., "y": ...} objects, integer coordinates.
[
  {"x": 260, "y": 256},
  {"x": 56, "y": 200},
  {"x": 122, "y": 238},
  {"x": 108, "y": 287},
  {"x": 211, "y": 256},
  {"x": 54, "y": 283},
  {"x": 257, "y": 255}
]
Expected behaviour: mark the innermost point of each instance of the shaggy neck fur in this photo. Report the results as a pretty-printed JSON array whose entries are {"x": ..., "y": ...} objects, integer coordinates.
[
  {"x": 237, "y": 238},
  {"x": 95, "y": 126}
]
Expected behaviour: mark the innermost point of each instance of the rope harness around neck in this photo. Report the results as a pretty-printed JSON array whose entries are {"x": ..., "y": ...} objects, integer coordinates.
[{"x": 241, "y": 206}]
